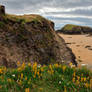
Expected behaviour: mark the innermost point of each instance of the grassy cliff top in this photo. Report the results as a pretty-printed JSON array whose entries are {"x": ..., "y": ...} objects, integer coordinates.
[
  {"x": 26, "y": 18},
  {"x": 75, "y": 29},
  {"x": 71, "y": 26}
]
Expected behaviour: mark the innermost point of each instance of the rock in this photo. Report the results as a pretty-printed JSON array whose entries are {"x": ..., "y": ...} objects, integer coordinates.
[
  {"x": 69, "y": 43},
  {"x": 75, "y": 29},
  {"x": 2, "y": 10},
  {"x": 31, "y": 38},
  {"x": 87, "y": 46},
  {"x": 77, "y": 45}
]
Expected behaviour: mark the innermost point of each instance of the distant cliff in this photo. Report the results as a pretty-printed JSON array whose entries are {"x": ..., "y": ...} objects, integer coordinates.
[
  {"x": 75, "y": 29},
  {"x": 30, "y": 38}
]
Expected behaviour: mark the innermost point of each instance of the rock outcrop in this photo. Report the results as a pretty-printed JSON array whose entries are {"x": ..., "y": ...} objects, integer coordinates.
[
  {"x": 31, "y": 38},
  {"x": 75, "y": 29},
  {"x": 2, "y": 10}
]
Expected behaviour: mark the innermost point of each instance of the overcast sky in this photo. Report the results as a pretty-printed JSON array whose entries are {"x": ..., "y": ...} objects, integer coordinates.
[{"x": 60, "y": 11}]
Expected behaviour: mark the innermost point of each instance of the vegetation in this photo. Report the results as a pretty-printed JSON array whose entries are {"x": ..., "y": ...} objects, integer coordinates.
[
  {"x": 2, "y": 24},
  {"x": 50, "y": 78},
  {"x": 75, "y": 29},
  {"x": 69, "y": 27},
  {"x": 25, "y": 18}
]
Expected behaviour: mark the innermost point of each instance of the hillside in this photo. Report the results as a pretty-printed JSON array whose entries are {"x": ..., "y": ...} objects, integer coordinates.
[
  {"x": 30, "y": 38},
  {"x": 75, "y": 29}
]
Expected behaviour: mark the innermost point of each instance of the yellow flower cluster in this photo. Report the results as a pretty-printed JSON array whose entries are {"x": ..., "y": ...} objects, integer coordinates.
[
  {"x": 63, "y": 68},
  {"x": 3, "y": 70},
  {"x": 22, "y": 67},
  {"x": 50, "y": 71},
  {"x": 27, "y": 90},
  {"x": 80, "y": 79},
  {"x": 36, "y": 71}
]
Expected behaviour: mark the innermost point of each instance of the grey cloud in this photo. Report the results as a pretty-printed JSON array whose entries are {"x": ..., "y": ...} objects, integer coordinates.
[{"x": 34, "y": 6}]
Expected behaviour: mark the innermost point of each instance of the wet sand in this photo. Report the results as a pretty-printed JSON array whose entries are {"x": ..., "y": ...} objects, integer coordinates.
[{"x": 81, "y": 46}]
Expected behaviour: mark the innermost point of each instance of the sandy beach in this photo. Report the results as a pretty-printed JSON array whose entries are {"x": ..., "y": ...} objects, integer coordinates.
[{"x": 81, "y": 46}]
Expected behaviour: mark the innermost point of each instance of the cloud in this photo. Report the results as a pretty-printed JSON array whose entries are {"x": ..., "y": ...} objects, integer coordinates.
[
  {"x": 65, "y": 11},
  {"x": 49, "y": 9}
]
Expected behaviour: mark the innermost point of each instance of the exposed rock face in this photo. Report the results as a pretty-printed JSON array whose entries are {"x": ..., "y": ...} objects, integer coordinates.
[
  {"x": 74, "y": 29},
  {"x": 31, "y": 38}
]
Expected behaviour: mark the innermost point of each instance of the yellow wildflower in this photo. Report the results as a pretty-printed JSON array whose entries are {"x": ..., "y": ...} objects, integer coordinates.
[
  {"x": 56, "y": 65},
  {"x": 1, "y": 71},
  {"x": 86, "y": 85},
  {"x": 4, "y": 69},
  {"x": 0, "y": 86},
  {"x": 34, "y": 76},
  {"x": 21, "y": 75},
  {"x": 40, "y": 89},
  {"x": 78, "y": 77},
  {"x": 50, "y": 66},
  {"x": 90, "y": 83},
  {"x": 27, "y": 90},
  {"x": 77, "y": 82},
  {"x": 65, "y": 89},
  {"x": 23, "y": 65},
  {"x": 9, "y": 80},
  {"x": 73, "y": 79},
  {"x": 42, "y": 69},
  {"x": 50, "y": 72},
  {"x": 18, "y": 63},
  {"x": 19, "y": 69},
  {"x": 35, "y": 64},
  {"x": 82, "y": 79},
  {"x": 38, "y": 73},
  {"x": 64, "y": 67},
  {"x": 74, "y": 74},
  {"x": 20, "y": 82},
  {"x": 70, "y": 64},
  {"x": 41, "y": 74},
  {"x": 44, "y": 66},
  {"x": 26, "y": 78},
  {"x": 29, "y": 64}
]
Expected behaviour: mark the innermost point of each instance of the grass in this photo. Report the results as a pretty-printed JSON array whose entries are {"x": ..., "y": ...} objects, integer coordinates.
[
  {"x": 2, "y": 24},
  {"x": 69, "y": 27},
  {"x": 50, "y": 78},
  {"x": 26, "y": 18}
]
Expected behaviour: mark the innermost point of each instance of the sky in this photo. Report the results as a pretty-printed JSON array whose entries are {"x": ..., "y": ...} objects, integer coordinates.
[{"x": 61, "y": 12}]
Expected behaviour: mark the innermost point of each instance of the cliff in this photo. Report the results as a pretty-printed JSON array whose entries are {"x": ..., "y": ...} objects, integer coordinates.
[
  {"x": 75, "y": 29},
  {"x": 31, "y": 38}
]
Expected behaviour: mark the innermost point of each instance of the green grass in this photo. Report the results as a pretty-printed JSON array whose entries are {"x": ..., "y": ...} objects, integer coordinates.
[
  {"x": 2, "y": 24},
  {"x": 26, "y": 18},
  {"x": 69, "y": 27},
  {"x": 50, "y": 78}
]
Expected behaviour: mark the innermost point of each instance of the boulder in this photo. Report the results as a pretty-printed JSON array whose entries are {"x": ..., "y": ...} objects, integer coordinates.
[{"x": 31, "y": 38}]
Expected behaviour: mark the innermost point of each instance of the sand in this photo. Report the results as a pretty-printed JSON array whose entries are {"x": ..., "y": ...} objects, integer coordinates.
[{"x": 81, "y": 46}]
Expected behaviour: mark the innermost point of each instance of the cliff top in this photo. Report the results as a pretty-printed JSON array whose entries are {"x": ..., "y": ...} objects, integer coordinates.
[{"x": 75, "y": 29}]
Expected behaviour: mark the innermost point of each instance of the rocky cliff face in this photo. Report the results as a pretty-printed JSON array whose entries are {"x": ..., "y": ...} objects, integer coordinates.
[
  {"x": 74, "y": 29},
  {"x": 31, "y": 38}
]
